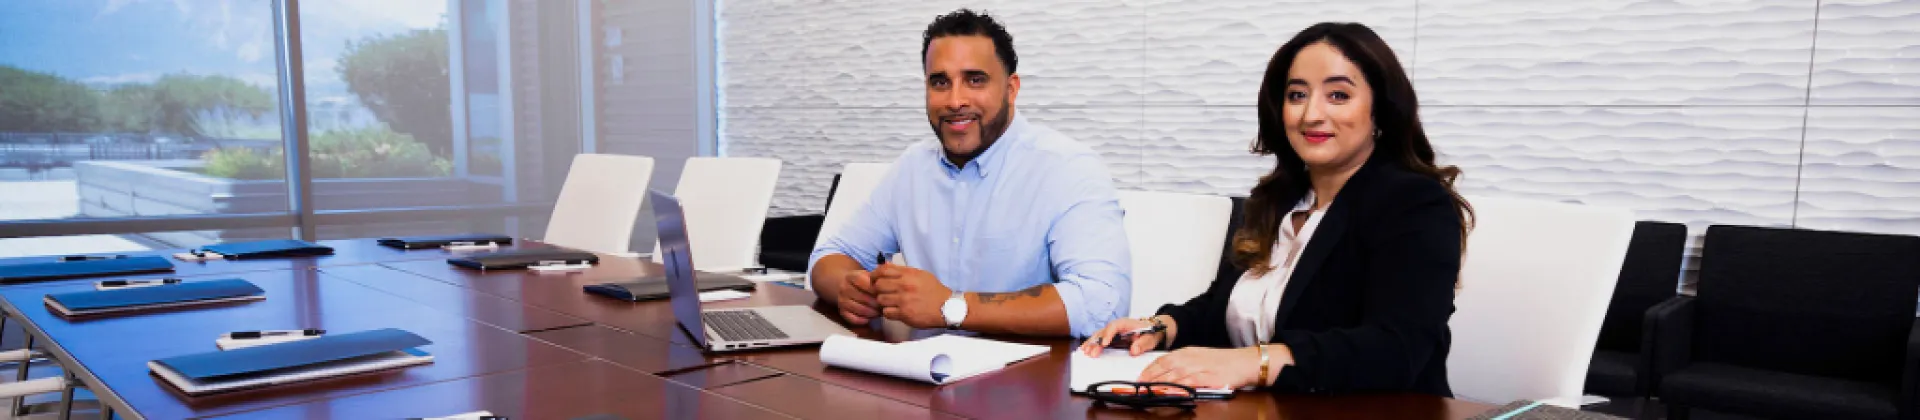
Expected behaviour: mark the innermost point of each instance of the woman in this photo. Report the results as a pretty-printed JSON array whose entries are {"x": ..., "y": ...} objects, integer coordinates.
[{"x": 1351, "y": 246}]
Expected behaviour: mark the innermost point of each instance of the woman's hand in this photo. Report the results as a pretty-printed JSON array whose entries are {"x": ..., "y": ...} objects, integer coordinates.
[
  {"x": 1141, "y": 343},
  {"x": 1202, "y": 367}
]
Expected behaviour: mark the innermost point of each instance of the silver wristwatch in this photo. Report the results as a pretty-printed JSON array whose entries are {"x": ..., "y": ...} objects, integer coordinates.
[{"x": 955, "y": 310}]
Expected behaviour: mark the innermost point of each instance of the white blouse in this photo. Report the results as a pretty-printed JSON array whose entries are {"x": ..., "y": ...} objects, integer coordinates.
[{"x": 1256, "y": 300}]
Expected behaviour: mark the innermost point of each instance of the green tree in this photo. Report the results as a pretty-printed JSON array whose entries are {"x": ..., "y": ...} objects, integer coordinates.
[
  {"x": 41, "y": 102},
  {"x": 403, "y": 79},
  {"x": 184, "y": 104}
]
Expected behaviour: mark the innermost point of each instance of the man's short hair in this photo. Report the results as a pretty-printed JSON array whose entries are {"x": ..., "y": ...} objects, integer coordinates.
[{"x": 966, "y": 22}]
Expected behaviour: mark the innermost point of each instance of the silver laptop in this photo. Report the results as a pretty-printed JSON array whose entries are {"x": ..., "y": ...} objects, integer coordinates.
[{"x": 723, "y": 330}]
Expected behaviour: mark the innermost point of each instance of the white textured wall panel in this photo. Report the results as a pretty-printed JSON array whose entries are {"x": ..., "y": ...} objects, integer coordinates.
[
  {"x": 1868, "y": 53},
  {"x": 868, "y": 51},
  {"x": 1072, "y": 52},
  {"x": 765, "y": 58},
  {"x": 814, "y": 144},
  {"x": 1202, "y": 150},
  {"x": 1862, "y": 170},
  {"x": 1215, "y": 52},
  {"x": 1689, "y": 165},
  {"x": 1683, "y": 110},
  {"x": 1114, "y": 132},
  {"x": 1527, "y": 52}
]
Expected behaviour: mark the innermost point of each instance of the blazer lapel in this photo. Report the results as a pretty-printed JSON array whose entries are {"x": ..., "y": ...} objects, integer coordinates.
[{"x": 1332, "y": 227}]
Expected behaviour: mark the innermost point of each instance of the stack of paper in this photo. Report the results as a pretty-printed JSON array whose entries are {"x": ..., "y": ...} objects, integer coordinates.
[{"x": 940, "y": 360}]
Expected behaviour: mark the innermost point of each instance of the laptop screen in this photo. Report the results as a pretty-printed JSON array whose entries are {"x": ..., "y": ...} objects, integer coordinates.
[{"x": 676, "y": 255}]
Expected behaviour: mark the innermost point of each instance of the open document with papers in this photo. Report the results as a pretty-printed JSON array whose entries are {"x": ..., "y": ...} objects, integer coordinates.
[{"x": 939, "y": 360}]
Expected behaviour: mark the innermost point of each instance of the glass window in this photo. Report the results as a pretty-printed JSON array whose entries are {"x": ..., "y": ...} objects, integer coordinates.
[
  {"x": 430, "y": 103},
  {"x": 123, "y": 109}
]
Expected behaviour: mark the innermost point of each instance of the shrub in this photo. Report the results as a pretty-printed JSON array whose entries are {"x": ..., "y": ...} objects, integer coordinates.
[
  {"x": 245, "y": 164},
  {"x": 373, "y": 153},
  {"x": 356, "y": 153}
]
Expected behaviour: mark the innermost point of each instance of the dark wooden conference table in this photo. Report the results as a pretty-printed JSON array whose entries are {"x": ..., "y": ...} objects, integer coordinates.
[{"x": 533, "y": 345}]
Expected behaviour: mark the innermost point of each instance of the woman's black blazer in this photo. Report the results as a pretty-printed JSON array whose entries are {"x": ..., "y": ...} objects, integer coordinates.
[{"x": 1366, "y": 308}]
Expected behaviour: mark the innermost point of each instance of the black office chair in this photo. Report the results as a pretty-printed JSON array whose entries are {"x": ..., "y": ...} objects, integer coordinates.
[
  {"x": 1651, "y": 274},
  {"x": 1795, "y": 324},
  {"x": 786, "y": 242},
  {"x": 1227, "y": 270}
]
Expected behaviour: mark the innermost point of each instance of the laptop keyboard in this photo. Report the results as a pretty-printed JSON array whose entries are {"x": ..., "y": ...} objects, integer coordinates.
[{"x": 743, "y": 325}]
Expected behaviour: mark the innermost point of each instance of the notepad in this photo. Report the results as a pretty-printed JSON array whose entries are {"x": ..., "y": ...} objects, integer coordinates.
[
  {"x": 103, "y": 302},
  {"x": 229, "y": 343},
  {"x": 298, "y": 361},
  {"x": 940, "y": 359},
  {"x": 88, "y": 268},
  {"x": 1116, "y": 365}
]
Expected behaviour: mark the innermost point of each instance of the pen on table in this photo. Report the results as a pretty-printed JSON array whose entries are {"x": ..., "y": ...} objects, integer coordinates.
[
  {"x": 71, "y": 258},
  {"x": 125, "y": 283},
  {"x": 274, "y": 333},
  {"x": 1127, "y": 337}
]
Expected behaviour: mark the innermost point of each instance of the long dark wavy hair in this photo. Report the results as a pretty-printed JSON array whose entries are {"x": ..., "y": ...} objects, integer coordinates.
[{"x": 1401, "y": 140}]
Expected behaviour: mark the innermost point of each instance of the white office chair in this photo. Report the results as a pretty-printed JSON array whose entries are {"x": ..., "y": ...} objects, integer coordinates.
[
  {"x": 599, "y": 203},
  {"x": 857, "y": 182},
  {"x": 1176, "y": 241},
  {"x": 726, "y": 201},
  {"x": 1535, "y": 286}
]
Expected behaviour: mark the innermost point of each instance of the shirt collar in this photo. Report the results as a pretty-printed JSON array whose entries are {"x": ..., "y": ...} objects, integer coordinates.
[
  {"x": 1305, "y": 204},
  {"x": 988, "y": 162}
]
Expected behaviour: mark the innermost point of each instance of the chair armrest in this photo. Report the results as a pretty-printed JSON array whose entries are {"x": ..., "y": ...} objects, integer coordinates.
[
  {"x": 1910, "y": 377},
  {"x": 1667, "y": 343}
]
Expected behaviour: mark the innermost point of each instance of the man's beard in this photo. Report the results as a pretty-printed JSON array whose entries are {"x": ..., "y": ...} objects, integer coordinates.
[{"x": 990, "y": 132}]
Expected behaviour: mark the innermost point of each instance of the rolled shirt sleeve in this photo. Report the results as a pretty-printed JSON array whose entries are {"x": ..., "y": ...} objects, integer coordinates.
[{"x": 1089, "y": 248}]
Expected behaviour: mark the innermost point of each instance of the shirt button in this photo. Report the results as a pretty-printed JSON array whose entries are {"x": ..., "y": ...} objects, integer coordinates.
[{"x": 956, "y": 239}]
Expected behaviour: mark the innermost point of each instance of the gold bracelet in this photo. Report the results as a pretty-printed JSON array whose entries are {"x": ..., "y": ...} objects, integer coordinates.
[{"x": 1264, "y": 364}]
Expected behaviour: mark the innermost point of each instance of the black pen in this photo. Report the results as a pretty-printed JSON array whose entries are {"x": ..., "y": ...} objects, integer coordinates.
[
  {"x": 879, "y": 259},
  {"x": 125, "y": 283},
  {"x": 71, "y": 258},
  {"x": 280, "y": 333}
]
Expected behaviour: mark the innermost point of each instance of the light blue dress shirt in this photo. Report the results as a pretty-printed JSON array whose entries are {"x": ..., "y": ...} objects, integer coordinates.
[{"x": 1035, "y": 208}]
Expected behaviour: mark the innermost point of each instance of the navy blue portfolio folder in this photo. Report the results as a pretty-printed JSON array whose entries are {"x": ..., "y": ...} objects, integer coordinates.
[
  {"x": 87, "y": 268},
  {"x": 295, "y": 361},
  {"x": 507, "y": 260},
  {"x": 139, "y": 298},
  {"x": 261, "y": 359},
  {"x": 269, "y": 249},
  {"x": 424, "y": 242}
]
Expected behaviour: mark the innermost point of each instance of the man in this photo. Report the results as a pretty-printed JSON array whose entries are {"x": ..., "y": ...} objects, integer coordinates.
[{"x": 1008, "y": 227}]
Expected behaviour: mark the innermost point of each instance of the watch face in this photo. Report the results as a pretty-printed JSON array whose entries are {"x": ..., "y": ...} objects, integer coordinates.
[{"x": 954, "y": 311}]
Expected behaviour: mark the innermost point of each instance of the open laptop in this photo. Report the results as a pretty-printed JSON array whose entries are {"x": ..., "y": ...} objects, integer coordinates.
[{"x": 734, "y": 329}]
